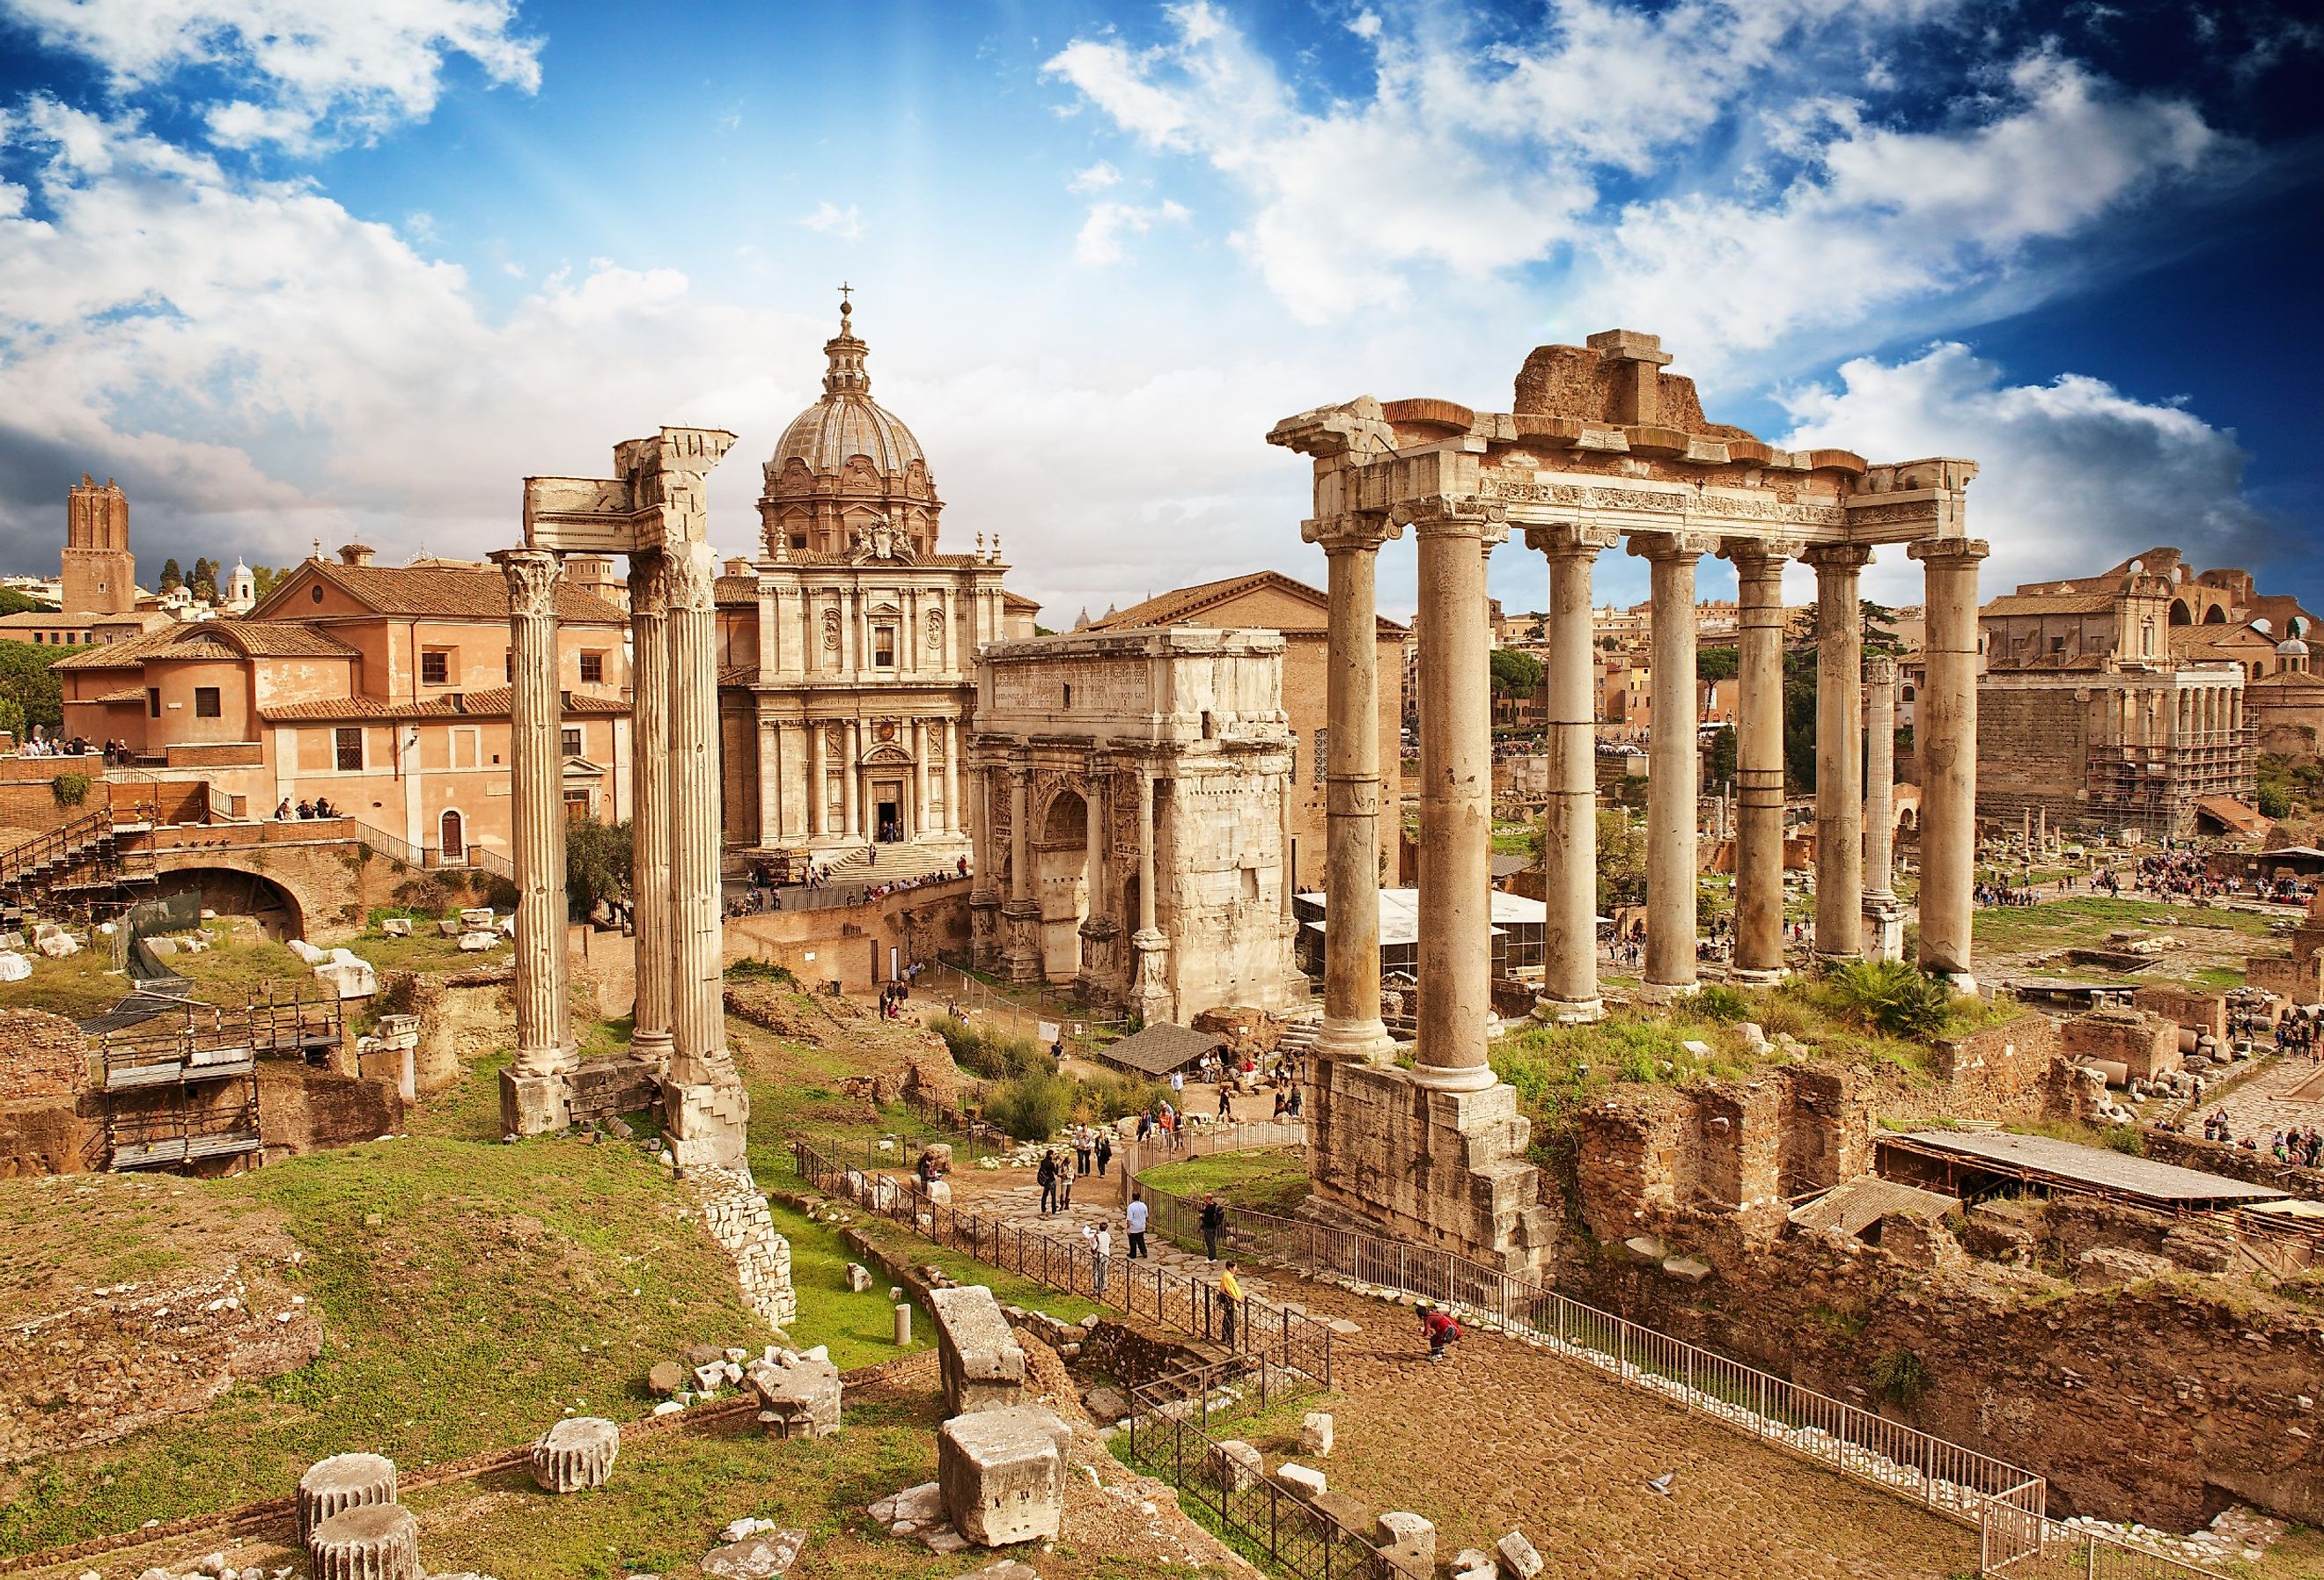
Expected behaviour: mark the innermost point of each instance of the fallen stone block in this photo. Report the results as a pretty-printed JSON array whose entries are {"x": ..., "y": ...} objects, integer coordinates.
[
  {"x": 478, "y": 942},
  {"x": 1315, "y": 1433},
  {"x": 308, "y": 955},
  {"x": 981, "y": 1362},
  {"x": 757, "y": 1557},
  {"x": 1302, "y": 1481},
  {"x": 1693, "y": 1269},
  {"x": 1519, "y": 1560},
  {"x": 395, "y": 927},
  {"x": 939, "y": 1192},
  {"x": 1237, "y": 1465},
  {"x": 666, "y": 1378},
  {"x": 343, "y": 1481},
  {"x": 377, "y": 1541},
  {"x": 577, "y": 1452},
  {"x": 859, "y": 1276},
  {"x": 1344, "y": 1509},
  {"x": 1003, "y": 1475},
  {"x": 1407, "y": 1541},
  {"x": 797, "y": 1398},
  {"x": 915, "y": 1506},
  {"x": 476, "y": 916}
]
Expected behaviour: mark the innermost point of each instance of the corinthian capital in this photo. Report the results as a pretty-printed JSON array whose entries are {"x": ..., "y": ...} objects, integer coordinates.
[
  {"x": 1361, "y": 529},
  {"x": 532, "y": 582},
  {"x": 1759, "y": 554},
  {"x": 1957, "y": 550},
  {"x": 692, "y": 576},
  {"x": 1688, "y": 546},
  {"x": 1454, "y": 515},
  {"x": 1839, "y": 557},
  {"x": 1571, "y": 539},
  {"x": 648, "y": 584}
]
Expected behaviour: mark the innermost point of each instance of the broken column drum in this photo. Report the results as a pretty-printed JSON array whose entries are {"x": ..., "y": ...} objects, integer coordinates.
[
  {"x": 1603, "y": 444},
  {"x": 377, "y": 1541},
  {"x": 576, "y": 1454},
  {"x": 343, "y": 1481}
]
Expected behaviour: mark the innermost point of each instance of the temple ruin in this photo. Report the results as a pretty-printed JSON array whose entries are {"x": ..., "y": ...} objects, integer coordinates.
[{"x": 1602, "y": 444}]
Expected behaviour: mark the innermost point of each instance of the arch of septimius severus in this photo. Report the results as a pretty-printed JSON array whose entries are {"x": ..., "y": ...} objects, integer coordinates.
[{"x": 1602, "y": 444}]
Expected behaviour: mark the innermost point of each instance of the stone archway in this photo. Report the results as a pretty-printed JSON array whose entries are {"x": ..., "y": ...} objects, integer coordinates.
[
  {"x": 1061, "y": 883},
  {"x": 2180, "y": 614},
  {"x": 238, "y": 891}
]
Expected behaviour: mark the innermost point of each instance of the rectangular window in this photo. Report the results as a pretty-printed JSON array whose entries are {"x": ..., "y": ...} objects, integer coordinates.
[
  {"x": 206, "y": 702},
  {"x": 593, "y": 669},
  {"x": 508, "y": 666},
  {"x": 348, "y": 739},
  {"x": 576, "y": 803},
  {"x": 883, "y": 647},
  {"x": 152, "y": 702},
  {"x": 434, "y": 667},
  {"x": 572, "y": 740}
]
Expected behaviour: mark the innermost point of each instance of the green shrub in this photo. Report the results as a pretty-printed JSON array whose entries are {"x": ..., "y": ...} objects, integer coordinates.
[
  {"x": 1899, "y": 1377},
  {"x": 995, "y": 1055},
  {"x": 1720, "y": 1003},
  {"x": 69, "y": 788},
  {"x": 1031, "y": 1107},
  {"x": 749, "y": 970},
  {"x": 2273, "y": 802},
  {"x": 1112, "y": 1094},
  {"x": 1887, "y": 996}
]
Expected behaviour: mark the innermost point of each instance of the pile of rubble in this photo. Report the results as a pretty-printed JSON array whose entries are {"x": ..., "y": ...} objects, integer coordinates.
[{"x": 347, "y": 975}]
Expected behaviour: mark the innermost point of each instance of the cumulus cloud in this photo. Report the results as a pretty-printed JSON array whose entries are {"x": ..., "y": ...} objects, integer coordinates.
[
  {"x": 319, "y": 70},
  {"x": 1477, "y": 156},
  {"x": 1097, "y": 177},
  {"x": 2072, "y": 474},
  {"x": 831, "y": 219},
  {"x": 1103, "y": 233}
]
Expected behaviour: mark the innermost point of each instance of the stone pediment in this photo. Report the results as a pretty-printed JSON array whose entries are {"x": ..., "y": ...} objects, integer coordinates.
[{"x": 886, "y": 754}]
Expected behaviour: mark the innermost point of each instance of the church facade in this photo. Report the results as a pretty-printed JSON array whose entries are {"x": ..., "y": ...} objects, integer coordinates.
[{"x": 848, "y": 645}]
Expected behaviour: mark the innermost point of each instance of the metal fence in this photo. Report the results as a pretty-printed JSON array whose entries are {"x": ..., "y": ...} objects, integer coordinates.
[
  {"x": 1190, "y": 1304},
  {"x": 2006, "y": 1503},
  {"x": 1019, "y": 1012},
  {"x": 1170, "y": 1423}
]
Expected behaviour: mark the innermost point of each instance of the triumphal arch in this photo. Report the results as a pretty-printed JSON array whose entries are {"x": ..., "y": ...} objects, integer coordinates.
[
  {"x": 1130, "y": 797},
  {"x": 1601, "y": 445}
]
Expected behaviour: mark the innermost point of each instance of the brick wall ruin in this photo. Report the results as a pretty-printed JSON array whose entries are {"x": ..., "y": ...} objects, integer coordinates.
[
  {"x": 1997, "y": 1072},
  {"x": 43, "y": 1058},
  {"x": 2129, "y": 1045},
  {"x": 2194, "y": 1011}
]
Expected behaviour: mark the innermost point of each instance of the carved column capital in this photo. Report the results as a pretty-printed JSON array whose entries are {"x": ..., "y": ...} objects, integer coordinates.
[
  {"x": 648, "y": 584},
  {"x": 1879, "y": 669},
  {"x": 1936, "y": 551},
  {"x": 1837, "y": 557},
  {"x": 1357, "y": 531},
  {"x": 691, "y": 570},
  {"x": 1571, "y": 539},
  {"x": 1454, "y": 515},
  {"x": 1686, "y": 546},
  {"x": 532, "y": 581},
  {"x": 1749, "y": 555}
]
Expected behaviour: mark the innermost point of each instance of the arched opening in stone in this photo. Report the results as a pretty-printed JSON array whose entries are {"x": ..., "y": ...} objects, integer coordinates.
[
  {"x": 1061, "y": 883},
  {"x": 2180, "y": 614},
  {"x": 2217, "y": 614},
  {"x": 229, "y": 891}
]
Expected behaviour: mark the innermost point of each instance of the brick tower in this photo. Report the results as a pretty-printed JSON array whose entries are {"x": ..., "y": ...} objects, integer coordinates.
[{"x": 100, "y": 574}]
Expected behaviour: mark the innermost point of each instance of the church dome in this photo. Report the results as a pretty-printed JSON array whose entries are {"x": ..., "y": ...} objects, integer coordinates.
[{"x": 845, "y": 464}]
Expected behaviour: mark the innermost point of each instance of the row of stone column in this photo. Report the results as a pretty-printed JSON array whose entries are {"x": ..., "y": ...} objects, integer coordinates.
[
  {"x": 679, "y": 1016},
  {"x": 1020, "y": 910},
  {"x": 802, "y": 771},
  {"x": 791, "y": 628},
  {"x": 1454, "y": 950}
]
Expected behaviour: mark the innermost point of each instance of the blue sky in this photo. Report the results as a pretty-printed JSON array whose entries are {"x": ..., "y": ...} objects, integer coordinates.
[{"x": 302, "y": 269}]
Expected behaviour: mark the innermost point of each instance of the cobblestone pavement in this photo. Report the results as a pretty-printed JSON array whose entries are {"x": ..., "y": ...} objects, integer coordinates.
[
  {"x": 2288, "y": 1093},
  {"x": 1503, "y": 1436}
]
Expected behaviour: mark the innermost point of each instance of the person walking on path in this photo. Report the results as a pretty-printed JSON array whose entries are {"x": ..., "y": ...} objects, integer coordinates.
[
  {"x": 1100, "y": 1244},
  {"x": 1047, "y": 1175},
  {"x": 1214, "y": 1218},
  {"x": 1137, "y": 1222},
  {"x": 1066, "y": 1181},
  {"x": 1083, "y": 1143},
  {"x": 1105, "y": 1150},
  {"x": 1226, "y": 1102},
  {"x": 1438, "y": 1328},
  {"x": 1230, "y": 1302}
]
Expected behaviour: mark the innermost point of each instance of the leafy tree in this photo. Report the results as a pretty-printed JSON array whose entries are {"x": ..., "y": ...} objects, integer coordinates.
[
  {"x": 13, "y": 602},
  {"x": 1723, "y": 756},
  {"x": 1880, "y": 629},
  {"x": 2273, "y": 802},
  {"x": 204, "y": 581},
  {"x": 1717, "y": 663},
  {"x": 1800, "y": 720},
  {"x": 1621, "y": 859},
  {"x": 1514, "y": 673},
  {"x": 597, "y": 862},
  {"x": 263, "y": 578},
  {"x": 25, "y": 682},
  {"x": 171, "y": 577}
]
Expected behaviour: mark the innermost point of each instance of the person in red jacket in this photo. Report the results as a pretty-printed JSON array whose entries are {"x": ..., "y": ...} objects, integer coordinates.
[{"x": 1438, "y": 1328}]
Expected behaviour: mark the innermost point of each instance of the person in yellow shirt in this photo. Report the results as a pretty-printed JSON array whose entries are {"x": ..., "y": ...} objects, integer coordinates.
[{"x": 1230, "y": 1304}]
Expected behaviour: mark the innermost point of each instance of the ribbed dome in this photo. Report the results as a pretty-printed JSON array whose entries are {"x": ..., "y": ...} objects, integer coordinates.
[{"x": 848, "y": 422}]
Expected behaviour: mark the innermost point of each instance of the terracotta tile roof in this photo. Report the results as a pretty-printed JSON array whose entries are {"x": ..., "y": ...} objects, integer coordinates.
[
  {"x": 1181, "y": 607},
  {"x": 124, "y": 655},
  {"x": 491, "y": 704},
  {"x": 2050, "y": 603},
  {"x": 214, "y": 639},
  {"x": 282, "y": 639},
  {"x": 127, "y": 694},
  {"x": 440, "y": 591}
]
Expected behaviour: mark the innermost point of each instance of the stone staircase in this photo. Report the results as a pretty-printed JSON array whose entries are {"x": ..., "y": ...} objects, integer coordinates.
[
  {"x": 1297, "y": 1039},
  {"x": 895, "y": 862}
]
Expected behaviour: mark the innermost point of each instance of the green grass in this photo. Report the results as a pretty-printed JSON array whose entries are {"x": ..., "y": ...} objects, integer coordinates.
[
  {"x": 77, "y": 986},
  {"x": 1264, "y": 1181},
  {"x": 240, "y": 966},
  {"x": 2085, "y": 922}
]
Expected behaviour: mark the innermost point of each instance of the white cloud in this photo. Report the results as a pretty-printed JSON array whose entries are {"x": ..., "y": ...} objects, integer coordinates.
[
  {"x": 831, "y": 219},
  {"x": 1096, "y": 178},
  {"x": 322, "y": 70},
  {"x": 1772, "y": 207},
  {"x": 1102, "y": 234},
  {"x": 2072, "y": 474}
]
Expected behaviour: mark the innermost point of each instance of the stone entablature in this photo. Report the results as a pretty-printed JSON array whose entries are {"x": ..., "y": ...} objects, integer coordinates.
[{"x": 1130, "y": 796}]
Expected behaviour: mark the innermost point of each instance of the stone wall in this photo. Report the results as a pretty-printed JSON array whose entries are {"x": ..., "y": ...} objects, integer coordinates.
[
  {"x": 2162, "y": 1401},
  {"x": 464, "y": 1017},
  {"x": 43, "y": 1058},
  {"x": 846, "y": 943},
  {"x": 2144, "y": 1045},
  {"x": 303, "y": 1109},
  {"x": 1997, "y": 1072},
  {"x": 2196, "y": 1012},
  {"x": 128, "y": 1357},
  {"x": 2297, "y": 981},
  {"x": 1132, "y": 1357},
  {"x": 48, "y": 1137},
  {"x": 2253, "y": 1168}
]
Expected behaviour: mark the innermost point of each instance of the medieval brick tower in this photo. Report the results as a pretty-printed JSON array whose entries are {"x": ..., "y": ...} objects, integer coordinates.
[{"x": 100, "y": 574}]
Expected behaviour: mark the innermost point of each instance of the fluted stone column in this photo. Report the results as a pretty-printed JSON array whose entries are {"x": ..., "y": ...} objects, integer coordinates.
[
  {"x": 1759, "y": 759},
  {"x": 1944, "y": 739},
  {"x": 1149, "y": 992},
  {"x": 534, "y": 1098},
  {"x": 1840, "y": 750},
  {"x": 1568, "y": 830},
  {"x": 849, "y": 789},
  {"x": 650, "y": 819},
  {"x": 1352, "y": 1028},
  {"x": 952, "y": 818},
  {"x": 1883, "y": 918},
  {"x": 706, "y": 1107},
  {"x": 1456, "y": 797},
  {"x": 1021, "y": 916},
  {"x": 1674, "y": 766},
  {"x": 918, "y": 821}
]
